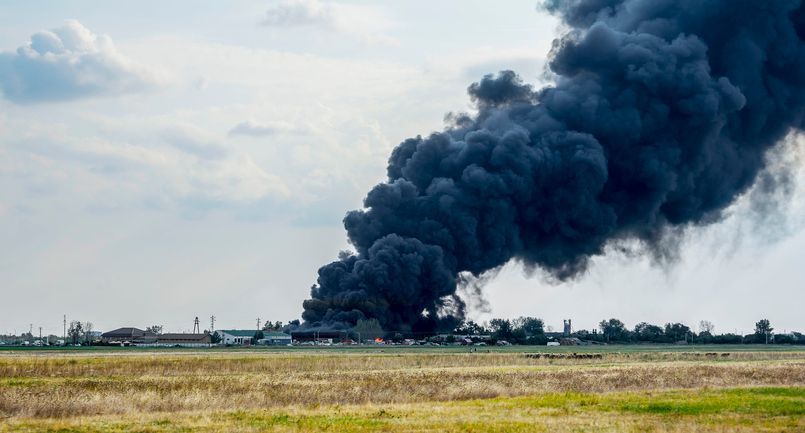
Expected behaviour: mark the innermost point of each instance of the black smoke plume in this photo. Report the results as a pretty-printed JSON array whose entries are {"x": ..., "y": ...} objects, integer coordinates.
[{"x": 660, "y": 116}]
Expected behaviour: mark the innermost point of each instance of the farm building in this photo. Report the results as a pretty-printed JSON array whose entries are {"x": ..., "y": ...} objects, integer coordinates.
[
  {"x": 128, "y": 336},
  {"x": 237, "y": 337},
  {"x": 184, "y": 340},
  {"x": 570, "y": 341},
  {"x": 329, "y": 336},
  {"x": 273, "y": 338}
]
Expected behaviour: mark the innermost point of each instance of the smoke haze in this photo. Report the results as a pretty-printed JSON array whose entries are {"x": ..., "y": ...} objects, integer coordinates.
[{"x": 660, "y": 116}]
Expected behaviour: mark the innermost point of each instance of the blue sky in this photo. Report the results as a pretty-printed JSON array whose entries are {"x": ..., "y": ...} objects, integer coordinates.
[{"x": 164, "y": 161}]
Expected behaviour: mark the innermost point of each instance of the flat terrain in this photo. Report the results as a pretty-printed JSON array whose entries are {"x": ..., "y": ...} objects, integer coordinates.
[{"x": 512, "y": 389}]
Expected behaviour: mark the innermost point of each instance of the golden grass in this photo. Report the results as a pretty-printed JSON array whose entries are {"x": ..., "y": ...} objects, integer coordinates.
[
  {"x": 734, "y": 410},
  {"x": 91, "y": 392}
]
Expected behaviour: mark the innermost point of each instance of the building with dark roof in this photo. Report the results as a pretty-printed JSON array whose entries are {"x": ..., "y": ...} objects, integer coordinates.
[
  {"x": 183, "y": 340},
  {"x": 319, "y": 336},
  {"x": 128, "y": 335}
]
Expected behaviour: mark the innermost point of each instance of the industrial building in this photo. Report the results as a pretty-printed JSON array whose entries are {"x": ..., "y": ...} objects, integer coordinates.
[
  {"x": 128, "y": 336},
  {"x": 274, "y": 338},
  {"x": 319, "y": 337},
  {"x": 184, "y": 340},
  {"x": 236, "y": 337}
]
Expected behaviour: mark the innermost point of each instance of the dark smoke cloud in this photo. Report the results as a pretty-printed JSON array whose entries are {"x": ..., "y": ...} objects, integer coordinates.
[{"x": 661, "y": 116}]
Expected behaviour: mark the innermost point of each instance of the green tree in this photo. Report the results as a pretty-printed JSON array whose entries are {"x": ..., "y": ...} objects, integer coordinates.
[
  {"x": 156, "y": 329},
  {"x": 706, "y": 329},
  {"x": 677, "y": 332},
  {"x": 648, "y": 333},
  {"x": 368, "y": 329},
  {"x": 88, "y": 332},
  {"x": 272, "y": 326},
  {"x": 763, "y": 329},
  {"x": 532, "y": 326},
  {"x": 75, "y": 331},
  {"x": 613, "y": 330},
  {"x": 470, "y": 328},
  {"x": 259, "y": 335},
  {"x": 706, "y": 326},
  {"x": 501, "y": 329}
]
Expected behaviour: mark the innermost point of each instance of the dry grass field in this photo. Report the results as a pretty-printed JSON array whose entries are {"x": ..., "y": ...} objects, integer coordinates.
[{"x": 300, "y": 391}]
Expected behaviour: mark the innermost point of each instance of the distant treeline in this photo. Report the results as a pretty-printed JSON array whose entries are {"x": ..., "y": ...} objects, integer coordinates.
[
  {"x": 521, "y": 331},
  {"x": 531, "y": 331}
]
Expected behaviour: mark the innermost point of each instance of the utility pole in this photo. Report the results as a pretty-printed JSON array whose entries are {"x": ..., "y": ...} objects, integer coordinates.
[
  {"x": 212, "y": 324},
  {"x": 40, "y": 333},
  {"x": 258, "y": 323},
  {"x": 196, "y": 326},
  {"x": 64, "y": 333}
]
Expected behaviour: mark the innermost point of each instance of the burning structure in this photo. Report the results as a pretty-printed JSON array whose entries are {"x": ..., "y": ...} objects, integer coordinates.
[{"x": 661, "y": 115}]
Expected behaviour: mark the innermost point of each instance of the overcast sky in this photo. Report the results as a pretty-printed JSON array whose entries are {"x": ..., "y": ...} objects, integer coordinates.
[{"x": 166, "y": 160}]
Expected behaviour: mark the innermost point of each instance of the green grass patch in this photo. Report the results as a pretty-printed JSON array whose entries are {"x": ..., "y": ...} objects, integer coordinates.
[
  {"x": 736, "y": 409},
  {"x": 769, "y": 401},
  {"x": 766, "y": 401},
  {"x": 20, "y": 382},
  {"x": 313, "y": 422}
]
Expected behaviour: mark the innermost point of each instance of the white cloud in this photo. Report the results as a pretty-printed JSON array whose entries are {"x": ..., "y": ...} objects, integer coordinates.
[
  {"x": 301, "y": 13},
  {"x": 256, "y": 129},
  {"x": 66, "y": 63},
  {"x": 169, "y": 167},
  {"x": 364, "y": 22}
]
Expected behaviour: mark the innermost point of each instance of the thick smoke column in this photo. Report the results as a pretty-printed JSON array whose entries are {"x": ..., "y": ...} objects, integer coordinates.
[{"x": 661, "y": 116}]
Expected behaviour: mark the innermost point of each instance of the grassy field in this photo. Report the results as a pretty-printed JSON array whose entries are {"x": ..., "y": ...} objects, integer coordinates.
[
  {"x": 613, "y": 348},
  {"x": 661, "y": 389}
]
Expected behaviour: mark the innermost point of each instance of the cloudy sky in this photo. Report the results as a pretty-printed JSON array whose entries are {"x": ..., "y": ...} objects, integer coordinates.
[{"x": 166, "y": 160}]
